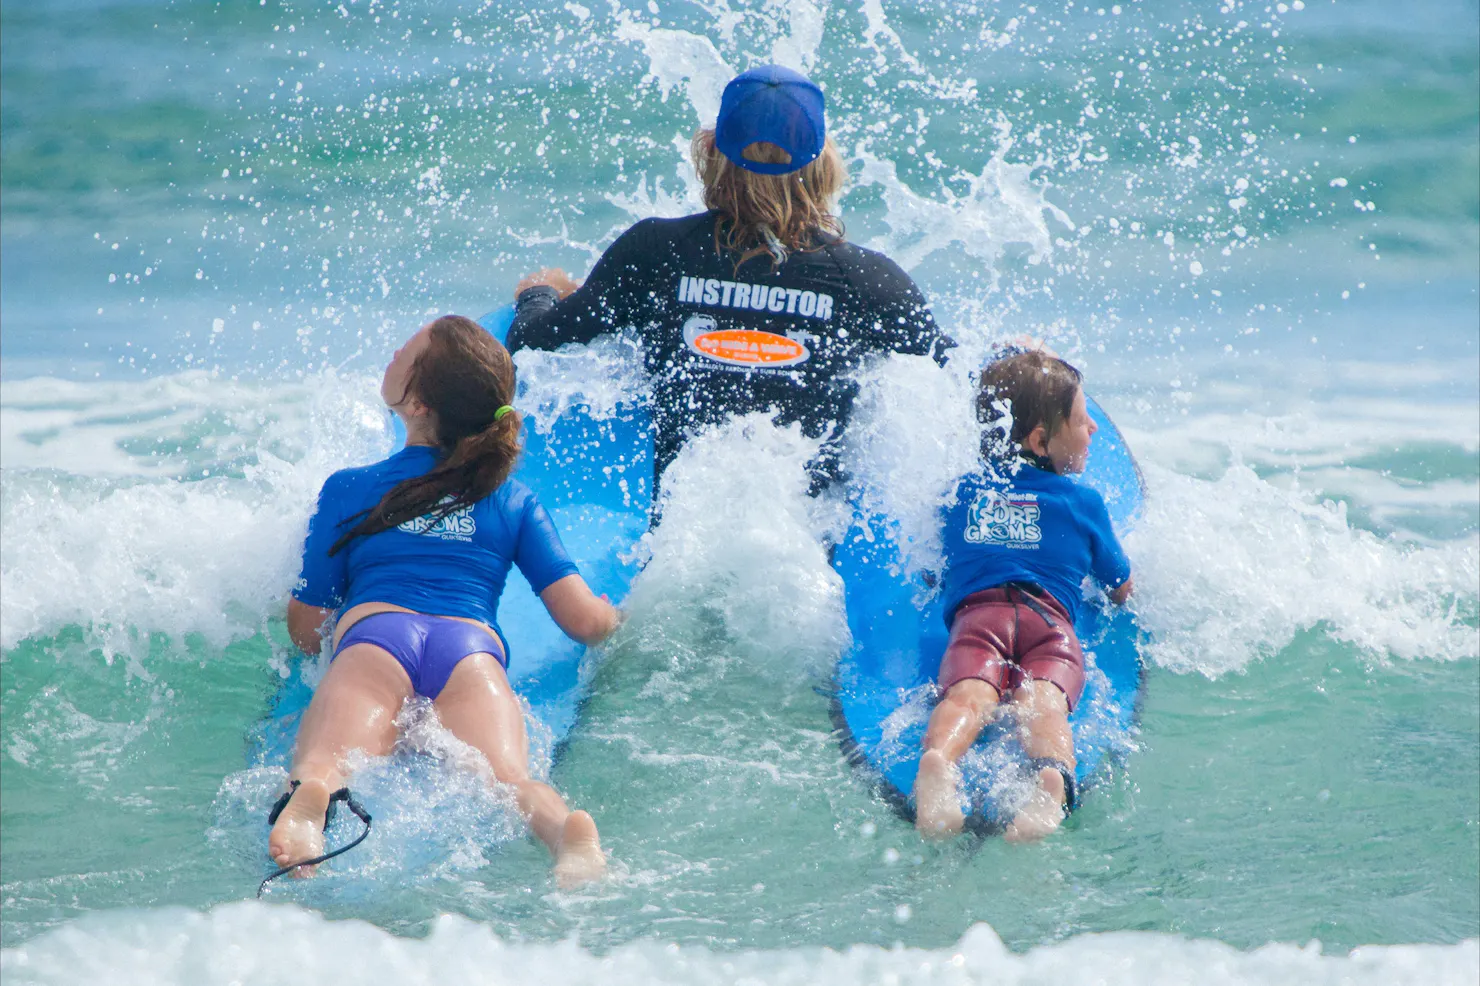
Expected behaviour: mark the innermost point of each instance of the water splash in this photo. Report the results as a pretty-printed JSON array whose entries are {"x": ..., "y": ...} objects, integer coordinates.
[
  {"x": 1229, "y": 570},
  {"x": 222, "y": 946},
  {"x": 741, "y": 541},
  {"x": 210, "y": 556}
]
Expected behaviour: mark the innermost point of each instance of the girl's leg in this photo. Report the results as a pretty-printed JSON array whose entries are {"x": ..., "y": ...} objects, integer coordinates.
[
  {"x": 480, "y": 708},
  {"x": 954, "y": 726},
  {"x": 1044, "y": 714},
  {"x": 354, "y": 708}
]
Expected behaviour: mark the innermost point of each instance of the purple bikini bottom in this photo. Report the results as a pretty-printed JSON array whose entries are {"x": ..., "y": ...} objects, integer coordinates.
[{"x": 428, "y": 647}]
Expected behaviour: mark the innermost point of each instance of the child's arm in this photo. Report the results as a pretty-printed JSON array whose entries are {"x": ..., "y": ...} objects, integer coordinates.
[
  {"x": 308, "y": 626},
  {"x": 322, "y": 580},
  {"x": 578, "y": 611},
  {"x": 542, "y": 558},
  {"x": 1108, "y": 562}
]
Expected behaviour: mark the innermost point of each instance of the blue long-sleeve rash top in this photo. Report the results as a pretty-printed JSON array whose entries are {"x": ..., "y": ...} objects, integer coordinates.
[
  {"x": 1040, "y": 527},
  {"x": 453, "y": 566}
]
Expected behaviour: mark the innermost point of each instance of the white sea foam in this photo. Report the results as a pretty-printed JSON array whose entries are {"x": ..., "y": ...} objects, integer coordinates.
[
  {"x": 103, "y": 532},
  {"x": 251, "y": 942},
  {"x": 1303, "y": 434},
  {"x": 212, "y": 556},
  {"x": 684, "y": 199},
  {"x": 1229, "y": 570},
  {"x": 173, "y": 422},
  {"x": 798, "y": 48},
  {"x": 1003, "y": 205},
  {"x": 598, "y": 377},
  {"x": 680, "y": 59},
  {"x": 906, "y": 464},
  {"x": 740, "y": 534}
]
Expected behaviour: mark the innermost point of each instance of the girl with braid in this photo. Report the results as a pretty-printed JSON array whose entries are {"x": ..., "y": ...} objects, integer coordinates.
[{"x": 405, "y": 560}]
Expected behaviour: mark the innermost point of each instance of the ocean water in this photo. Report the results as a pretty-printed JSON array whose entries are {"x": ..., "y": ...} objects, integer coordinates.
[{"x": 1256, "y": 226}]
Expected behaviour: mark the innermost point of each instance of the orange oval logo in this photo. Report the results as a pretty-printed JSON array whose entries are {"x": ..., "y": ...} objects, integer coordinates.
[{"x": 750, "y": 347}]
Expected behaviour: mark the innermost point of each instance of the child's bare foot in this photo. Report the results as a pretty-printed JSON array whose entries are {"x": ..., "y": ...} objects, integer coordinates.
[
  {"x": 580, "y": 859},
  {"x": 937, "y": 798},
  {"x": 299, "y": 831},
  {"x": 1043, "y": 812}
]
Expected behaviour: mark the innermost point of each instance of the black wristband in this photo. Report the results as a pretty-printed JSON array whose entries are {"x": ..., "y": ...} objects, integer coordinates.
[{"x": 544, "y": 291}]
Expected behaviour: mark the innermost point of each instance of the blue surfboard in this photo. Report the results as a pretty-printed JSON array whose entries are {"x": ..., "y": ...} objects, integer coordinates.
[
  {"x": 884, "y": 686},
  {"x": 576, "y": 468}
]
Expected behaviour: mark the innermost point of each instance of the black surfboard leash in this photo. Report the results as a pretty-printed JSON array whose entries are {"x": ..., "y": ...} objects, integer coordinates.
[{"x": 343, "y": 794}]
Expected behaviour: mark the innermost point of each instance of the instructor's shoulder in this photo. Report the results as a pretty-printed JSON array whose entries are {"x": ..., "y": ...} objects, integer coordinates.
[
  {"x": 657, "y": 228},
  {"x": 649, "y": 239},
  {"x": 873, "y": 265}
]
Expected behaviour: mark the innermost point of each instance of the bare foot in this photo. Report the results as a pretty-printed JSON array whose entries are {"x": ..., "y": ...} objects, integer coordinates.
[
  {"x": 580, "y": 859},
  {"x": 1043, "y": 812},
  {"x": 299, "y": 832},
  {"x": 937, "y": 798}
]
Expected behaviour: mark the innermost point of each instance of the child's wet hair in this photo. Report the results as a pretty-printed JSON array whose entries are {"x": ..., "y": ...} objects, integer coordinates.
[
  {"x": 465, "y": 376},
  {"x": 1032, "y": 388}
]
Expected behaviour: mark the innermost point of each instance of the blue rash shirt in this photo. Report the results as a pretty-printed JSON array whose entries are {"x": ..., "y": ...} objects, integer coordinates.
[
  {"x": 454, "y": 566},
  {"x": 1040, "y": 527}
]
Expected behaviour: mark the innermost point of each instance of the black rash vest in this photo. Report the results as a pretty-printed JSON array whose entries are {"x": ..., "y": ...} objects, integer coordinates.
[{"x": 720, "y": 341}]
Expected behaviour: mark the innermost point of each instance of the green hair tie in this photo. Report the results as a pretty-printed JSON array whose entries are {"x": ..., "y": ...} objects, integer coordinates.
[{"x": 499, "y": 414}]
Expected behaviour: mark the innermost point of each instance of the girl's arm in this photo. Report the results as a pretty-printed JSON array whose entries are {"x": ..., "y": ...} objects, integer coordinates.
[
  {"x": 578, "y": 611},
  {"x": 306, "y": 626},
  {"x": 1122, "y": 592},
  {"x": 322, "y": 581}
]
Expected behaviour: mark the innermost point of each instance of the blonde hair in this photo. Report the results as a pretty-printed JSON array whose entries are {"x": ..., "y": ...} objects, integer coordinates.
[{"x": 770, "y": 214}]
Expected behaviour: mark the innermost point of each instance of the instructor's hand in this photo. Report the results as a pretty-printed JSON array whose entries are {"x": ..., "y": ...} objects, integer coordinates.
[
  {"x": 552, "y": 277},
  {"x": 1032, "y": 343}
]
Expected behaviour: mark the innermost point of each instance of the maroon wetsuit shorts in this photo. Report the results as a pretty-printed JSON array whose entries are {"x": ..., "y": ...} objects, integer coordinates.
[{"x": 1008, "y": 634}]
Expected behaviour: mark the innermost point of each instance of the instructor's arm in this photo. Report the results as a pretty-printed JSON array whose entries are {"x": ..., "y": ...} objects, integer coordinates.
[
  {"x": 551, "y": 309},
  {"x": 551, "y": 277}
]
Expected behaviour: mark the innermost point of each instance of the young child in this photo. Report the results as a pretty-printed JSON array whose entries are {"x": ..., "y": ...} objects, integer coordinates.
[{"x": 1016, "y": 553}]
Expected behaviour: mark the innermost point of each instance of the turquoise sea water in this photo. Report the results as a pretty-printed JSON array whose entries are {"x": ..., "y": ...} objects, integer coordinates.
[{"x": 1255, "y": 226}]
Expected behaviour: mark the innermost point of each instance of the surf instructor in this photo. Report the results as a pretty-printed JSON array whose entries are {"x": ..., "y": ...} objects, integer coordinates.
[{"x": 758, "y": 303}]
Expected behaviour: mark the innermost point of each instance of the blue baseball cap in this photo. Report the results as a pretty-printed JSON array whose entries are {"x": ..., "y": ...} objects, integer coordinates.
[{"x": 776, "y": 105}]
